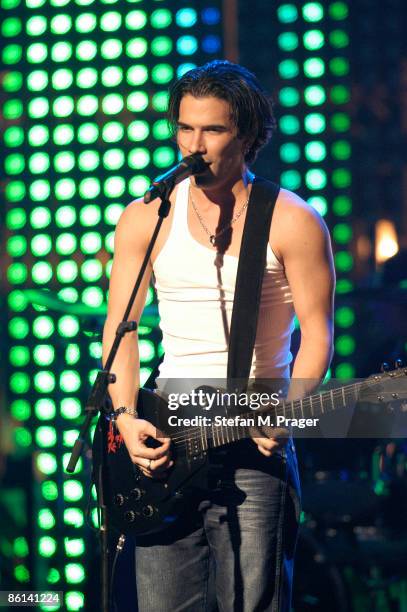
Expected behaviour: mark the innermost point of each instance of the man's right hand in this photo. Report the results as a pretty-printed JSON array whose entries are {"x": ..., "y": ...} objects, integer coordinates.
[{"x": 153, "y": 462}]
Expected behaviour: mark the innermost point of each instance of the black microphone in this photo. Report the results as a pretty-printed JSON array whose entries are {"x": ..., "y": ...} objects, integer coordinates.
[{"x": 192, "y": 164}]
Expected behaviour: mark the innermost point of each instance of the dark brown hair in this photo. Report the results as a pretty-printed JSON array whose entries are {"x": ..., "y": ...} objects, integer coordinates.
[{"x": 251, "y": 107}]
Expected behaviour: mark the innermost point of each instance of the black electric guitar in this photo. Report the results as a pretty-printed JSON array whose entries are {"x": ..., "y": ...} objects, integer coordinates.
[{"x": 139, "y": 505}]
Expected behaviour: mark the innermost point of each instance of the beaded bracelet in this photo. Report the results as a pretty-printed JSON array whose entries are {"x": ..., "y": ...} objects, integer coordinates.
[{"x": 114, "y": 414}]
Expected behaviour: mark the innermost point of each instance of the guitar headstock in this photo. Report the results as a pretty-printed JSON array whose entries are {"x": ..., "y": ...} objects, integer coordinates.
[{"x": 388, "y": 385}]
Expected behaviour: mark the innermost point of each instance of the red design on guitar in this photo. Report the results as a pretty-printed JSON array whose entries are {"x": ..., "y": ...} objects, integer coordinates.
[{"x": 114, "y": 440}]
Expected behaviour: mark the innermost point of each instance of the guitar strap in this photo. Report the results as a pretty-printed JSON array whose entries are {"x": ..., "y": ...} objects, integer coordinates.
[{"x": 249, "y": 281}]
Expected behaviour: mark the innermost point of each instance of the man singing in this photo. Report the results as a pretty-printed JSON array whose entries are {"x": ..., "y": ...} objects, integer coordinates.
[{"x": 234, "y": 550}]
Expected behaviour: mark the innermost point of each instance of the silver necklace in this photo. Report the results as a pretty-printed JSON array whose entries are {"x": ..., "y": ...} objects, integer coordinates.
[{"x": 213, "y": 237}]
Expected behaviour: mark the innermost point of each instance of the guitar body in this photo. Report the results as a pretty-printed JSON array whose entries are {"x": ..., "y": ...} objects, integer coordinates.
[{"x": 138, "y": 505}]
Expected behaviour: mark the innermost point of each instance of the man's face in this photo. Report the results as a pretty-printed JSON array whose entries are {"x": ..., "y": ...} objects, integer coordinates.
[{"x": 205, "y": 126}]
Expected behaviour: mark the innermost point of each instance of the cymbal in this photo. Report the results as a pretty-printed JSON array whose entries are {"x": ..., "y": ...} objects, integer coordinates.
[{"x": 52, "y": 301}]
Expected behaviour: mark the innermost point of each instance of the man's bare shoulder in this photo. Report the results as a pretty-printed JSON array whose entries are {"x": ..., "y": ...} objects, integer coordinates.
[
  {"x": 137, "y": 221},
  {"x": 294, "y": 222}
]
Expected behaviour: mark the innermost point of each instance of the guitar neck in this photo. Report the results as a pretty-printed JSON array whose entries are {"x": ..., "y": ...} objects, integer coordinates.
[{"x": 232, "y": 429}]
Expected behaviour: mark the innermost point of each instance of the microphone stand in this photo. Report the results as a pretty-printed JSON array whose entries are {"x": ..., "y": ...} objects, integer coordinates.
[{"x": 96, "y": 400}]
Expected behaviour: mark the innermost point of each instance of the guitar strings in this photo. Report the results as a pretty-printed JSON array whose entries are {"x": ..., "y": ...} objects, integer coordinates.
[{"x": 196, "y": 433}]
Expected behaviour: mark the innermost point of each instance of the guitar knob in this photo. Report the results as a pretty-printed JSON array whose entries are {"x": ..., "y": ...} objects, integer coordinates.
[
  {"x": 385, "y": 367},
  {"x": 136, "y": 494},
  {"x": 130, "y": 516},
  {"x": 119, "y": 499},
  {"x": 147, "y": 511}
]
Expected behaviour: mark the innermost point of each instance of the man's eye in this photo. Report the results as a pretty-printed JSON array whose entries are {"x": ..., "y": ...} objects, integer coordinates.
[{"x": 183, "y": 128}]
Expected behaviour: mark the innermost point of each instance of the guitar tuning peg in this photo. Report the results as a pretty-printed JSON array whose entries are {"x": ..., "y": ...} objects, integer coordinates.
[
  {"x": 398, "y": 364},
  {"x": 385, "y": 367}
]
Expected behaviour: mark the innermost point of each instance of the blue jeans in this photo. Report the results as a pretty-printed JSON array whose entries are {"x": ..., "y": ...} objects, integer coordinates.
[{"x": 234, "y": 551}]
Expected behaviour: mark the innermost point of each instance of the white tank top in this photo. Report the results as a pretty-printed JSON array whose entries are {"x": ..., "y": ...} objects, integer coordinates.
[{"x": 195, "y": 299}]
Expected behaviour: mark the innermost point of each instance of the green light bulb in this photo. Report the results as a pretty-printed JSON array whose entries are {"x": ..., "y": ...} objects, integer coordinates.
[
  {"x": 138, "y": 185},
  {"x": 47, "y": 546},
  {"x": 44, "y": 409},
  {"x": 289, "y": 96},
  {"x": 139, "y": 158},
  {"x": 67, "y": 271},
  {"x": 137, "y": 101},
  {"x": 70, "y": 381},
  {"x": 136, "y": 47},
  {"x": 37, "y": 53},
  {"x": 19, "y": 356},
  {"x": 291, "y": 179},
  {"x": 45, "y": 436},
  {"x": 71, "y": 408},
  {"x": 313, "y": 11},
  {"x": 86, "y": 78},
  {"x": 16, "y": 246},
  {"x": 160, "y": 18},
  {"x": 88, "y": 133},
  {"x": 89, "y": 188},
  {"x": 44, "y": 381},
  {"x": 345, "y": 316},
  {"x": 342, "y": 206},
  {"x": 91, "y": 270},
  {"x": 20, "y": 410},
  {"x": 288, "y": 69},
  {"x": 314, "y": 67},
  {"x": 73, "y": 489},
  {"x": 63, "y": 134},
  {"x": 343, "y": 261},
  {"x": 161, "y": 45},
  {"x": 137, "y": 75},
  {"x": 46, "y": 463},
  {"x": 74, "y": 547},
  {"x": 112, "y": 104},
  {"x": 37, "y": 81},
  {"x": 85, "y": 23},
  {"x": 73, "y": 517},
  {"x": 13, "y": 136},
  {"x": 163, "y": 157},
  {"x": 345, "y": 345},
  {"x": 43, "y": 326},
  {"x": 290, "y": 152},
  {"x": 110, "y": 21},
  {"x": 46, "y": 519},
  {"x": 162, "y": 73},
  {"x": 111, "y": 48},
  {"x": 74, "y": 573},
  {"x": 19, "y": 382},
  {"x": 61, "y": 51},
  {"x": 287, "y": 13},
  {"x": 17, "y": 273},
  {"x": 314, "y": 95},
  {"x": 313, "y": 40},
  {"x": 63, "y": 106},
  {"x": 288, "y": 41},
  {"x": 18, "y": 328},
  {"x": 315, "y": 151},
  {"x": 90, "y": 215},
  {"x": 86, "y": 50}
]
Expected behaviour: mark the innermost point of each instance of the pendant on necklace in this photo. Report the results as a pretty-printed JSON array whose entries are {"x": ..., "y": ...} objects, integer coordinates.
[{"x": 212, "y": 239}]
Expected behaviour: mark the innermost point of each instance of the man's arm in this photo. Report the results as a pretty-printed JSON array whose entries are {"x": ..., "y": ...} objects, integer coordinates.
[
  {"x": 309, "y": 267},
  {"x": 131, "y": 240},
  {"x": 301, "y": 241}
]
